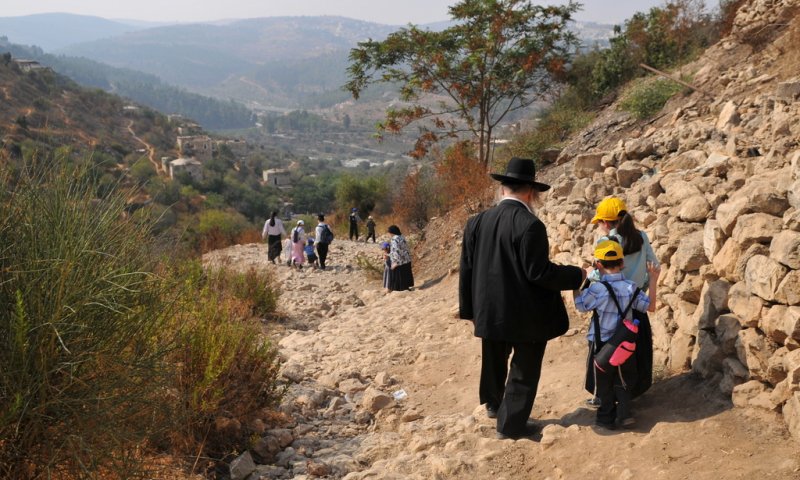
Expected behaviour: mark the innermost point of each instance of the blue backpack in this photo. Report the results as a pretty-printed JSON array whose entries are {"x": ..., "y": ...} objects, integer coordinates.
[{"x": 326, "y": 235}]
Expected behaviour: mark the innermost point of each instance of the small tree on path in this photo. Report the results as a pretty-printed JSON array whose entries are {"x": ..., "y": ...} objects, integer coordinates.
[{"x": 500, "y": 56}]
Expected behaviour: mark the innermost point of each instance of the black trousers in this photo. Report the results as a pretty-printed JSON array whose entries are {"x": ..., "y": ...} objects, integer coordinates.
[
  {"x": 513, "y": 391},
  {"x": 322, "y": 253},
  {"x": 354, "y": 231},
  {"x": 370, "y": 234},
  {"x": 614, "y": 391}
]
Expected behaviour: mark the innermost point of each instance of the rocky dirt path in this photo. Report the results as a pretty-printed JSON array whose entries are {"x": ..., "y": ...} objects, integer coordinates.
[{"x": 348, "y": 348}]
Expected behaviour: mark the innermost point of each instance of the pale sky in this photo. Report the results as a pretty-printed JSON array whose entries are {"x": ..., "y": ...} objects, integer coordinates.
[{"x": 392, "y": 12}]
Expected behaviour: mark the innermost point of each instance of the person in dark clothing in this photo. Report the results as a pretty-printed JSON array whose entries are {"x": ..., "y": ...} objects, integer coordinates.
[
  {"x": 354, "y": 219},
  {"x": 272, "y": 232},
  {"x": 401, "y": 276},
  {"x": 322, "y": 245},
  {"x": 370, "y": 229},
  {"x": 510, "y": 290}
]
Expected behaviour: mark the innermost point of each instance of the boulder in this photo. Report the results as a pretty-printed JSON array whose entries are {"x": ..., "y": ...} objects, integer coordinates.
[
  {"x": 628, "y": 173},
  {"x": 694, "y": 209},
  {"x": 756, "y": 228},
  {"x": 746, "y": 307},
  {"x": 742, "y": 394},
  {"x": 374, "y": 400},
  {"x": 726, "y": 260},
  {"x": 791, "y": 415},
  {"x": 769, "y": 194},
  {"x": 680, "y": 351},
  {"x": 729, "y": 212},
  {"x": 716, "y": 165},
  {"x": 726, "y": 331},
  {"x": 789, "y": 289},
  {"x": 707, "y": 356},
  {"x": 728, "y": 117},
  {"x": 587, "y": 164},
  {"x": 690, "y": 254},
  {"x": 791, "y": 365},
  {"x": 753, "y": 351},
  {"x": 713, "y": 302},
  {"x": 788, "y": 91},
  {"x": 688, "y": 160},
  {"x": 793, "y": 196},
  {"x": 785, "y": 248},
  {"x": 792, "y": 323},
  {"x": 690, "y": 288},
  {"x": 763, "y": 276},
  {"x": 639, "y": 148},
  {"x": 776, "y": 369},
  {"x": 242, "y": 466},
  {"x": 733, "y": 374},
  {"x": 713, "y": 238},
  {"x": 677, "y": 189},
  {"x": 773, "y": 323}
]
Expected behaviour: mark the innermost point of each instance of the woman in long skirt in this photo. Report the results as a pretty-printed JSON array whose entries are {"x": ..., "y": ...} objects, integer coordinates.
[
  {"x": 273, "y": 232},
  {"x": 401, "y": 276}
]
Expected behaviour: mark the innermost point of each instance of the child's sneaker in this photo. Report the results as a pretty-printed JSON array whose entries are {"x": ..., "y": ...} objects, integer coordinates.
[{"x": 593, "y": 403}]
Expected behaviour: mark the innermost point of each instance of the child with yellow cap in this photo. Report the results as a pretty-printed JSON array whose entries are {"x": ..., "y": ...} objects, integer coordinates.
[
  {"x": 615, "y": 222},
  {"x": 607, "y": 298}
]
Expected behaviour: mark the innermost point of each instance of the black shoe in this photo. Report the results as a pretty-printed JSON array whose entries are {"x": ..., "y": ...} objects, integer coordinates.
[
  {"x": 528, "y": 431},
  {"x": 593, "y": 403},
  {"x": 491, "y": 412},
  {"x": 607, "y": 426}
]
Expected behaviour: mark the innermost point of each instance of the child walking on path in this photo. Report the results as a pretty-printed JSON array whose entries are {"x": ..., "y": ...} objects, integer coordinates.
[
  {"x": 613, "y": 299},
  {"x": 310, "y": 253},
  {"x": 615, "y": 223}
]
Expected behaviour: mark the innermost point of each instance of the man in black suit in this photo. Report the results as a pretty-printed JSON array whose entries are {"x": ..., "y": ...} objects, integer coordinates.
[{"x": 512, "y": 292}]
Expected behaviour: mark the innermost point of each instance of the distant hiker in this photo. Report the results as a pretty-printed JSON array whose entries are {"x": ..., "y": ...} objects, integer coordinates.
[
  {"x": 370, "y": 229},
  {"x": 354, "y": 219},
  {"x": 298, "y": 245},
  {"x": 387, "y": 264},
  {"x": 272, "y": 232},
  {"x": 324, "y": 236},
  {"x": 615, "y": 223},
  {"x": 401, "y": 276},
  {"x": 511, "y": 291},
  {"x": 613, "y": 299},
  {"x": 311, "y": 256}
]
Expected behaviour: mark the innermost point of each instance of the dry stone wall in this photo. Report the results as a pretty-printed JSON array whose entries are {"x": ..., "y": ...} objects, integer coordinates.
[{"x": 715, "y": 183}]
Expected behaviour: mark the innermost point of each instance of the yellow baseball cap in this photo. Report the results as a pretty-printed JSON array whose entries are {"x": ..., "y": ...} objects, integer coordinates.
[
  {"x": 608, "y": 209},
  {"x": 608, "y": 250}
]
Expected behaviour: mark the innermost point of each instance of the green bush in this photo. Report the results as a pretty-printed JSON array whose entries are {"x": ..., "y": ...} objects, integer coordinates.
[
  {"x": 79, "y": 364},
  {"x": 224, "y": 368},
  {"x": 646, "y": 97}
]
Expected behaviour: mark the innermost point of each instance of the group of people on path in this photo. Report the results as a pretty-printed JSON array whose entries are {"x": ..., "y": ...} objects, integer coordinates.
[
  {"x": 511, "y": 291},
  {"x": 299, "y": 247}
]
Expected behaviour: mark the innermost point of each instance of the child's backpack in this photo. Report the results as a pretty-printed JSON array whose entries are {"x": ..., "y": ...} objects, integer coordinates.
[
  {"x": 619, "y": 348},
  {"x": 326, "y": 235}
]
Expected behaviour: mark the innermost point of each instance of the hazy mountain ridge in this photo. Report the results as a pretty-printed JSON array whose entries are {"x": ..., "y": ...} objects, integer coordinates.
[{"x": 53, "y": 31}]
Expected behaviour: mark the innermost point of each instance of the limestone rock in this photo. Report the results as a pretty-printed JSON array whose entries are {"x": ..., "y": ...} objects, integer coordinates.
[
  {"x": 746, "y": 307},
  {"x": 728, "y": 117},
  {"x": 627, "y": 173},
  {"x": 726, "y": 260},
  {"x": 756, "y": 228},
  {"x": 792, "y": 323},
  {"x": 776, "y": 368},
  {"x": 753, "y": 351},
  {"x": 742, "y": 394},
  {"x": 587, "y": 164},
  {"x": 293, "y": 371},
  {"x": 707, "y": 356},
  {"x": 685, "y": 161},
  {"x": 690, "y": 254},
  {"x": 791, "y": 365},
  {"x": 788, "y": 91},
  {"x": 713, "y": 238},
  {"x": 713, "y": 302},
  {"x": 374, "y": 400},
  {"x": 789, "y": 289},
  {"x": 763, "y": 276},
  {"x": 729, "y": 212},
  {"x": 694, "y": 209},
  {"x": 773, "y": 323},
  {"x": 791, "y": 415},
  {"x": 785, "y": 248},
  {"x": 639, "y": 148},
  {"x": 733, "y": 374},
  {"x": 242, "y": 466},
  {"x": 680, "y": 351}
]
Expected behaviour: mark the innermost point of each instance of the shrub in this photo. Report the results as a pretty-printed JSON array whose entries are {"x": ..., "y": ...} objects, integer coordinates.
[
  {"x": 646, "y": 97},
  {"x": 225, "y": 371},
  {"x": 80, "y": 307},
  {"x": 461, "y": 176}
]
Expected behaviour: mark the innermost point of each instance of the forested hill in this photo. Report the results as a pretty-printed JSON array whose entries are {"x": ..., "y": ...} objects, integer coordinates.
[{"x": 140, "y": 87}]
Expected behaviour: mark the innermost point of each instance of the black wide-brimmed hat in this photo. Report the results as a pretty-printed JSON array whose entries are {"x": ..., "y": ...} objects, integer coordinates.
[{"x": 521, "y": 170}]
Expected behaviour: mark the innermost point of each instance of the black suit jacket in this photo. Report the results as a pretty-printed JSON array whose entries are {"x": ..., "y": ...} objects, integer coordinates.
[{"x": 507, "y": 285}]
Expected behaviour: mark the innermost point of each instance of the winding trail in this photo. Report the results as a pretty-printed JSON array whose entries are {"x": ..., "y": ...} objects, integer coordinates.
[
  {"x": 343, "y": 339},
  {"x": 151, "y": 151}
]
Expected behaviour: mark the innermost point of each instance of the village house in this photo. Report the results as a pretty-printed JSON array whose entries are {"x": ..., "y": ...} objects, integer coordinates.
[
  {"x": 188, "y": 165},
  {"x": 276, "y": 177},
  {"x": 28, "y": 65},
  {"x": 198, "y": 146}
]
